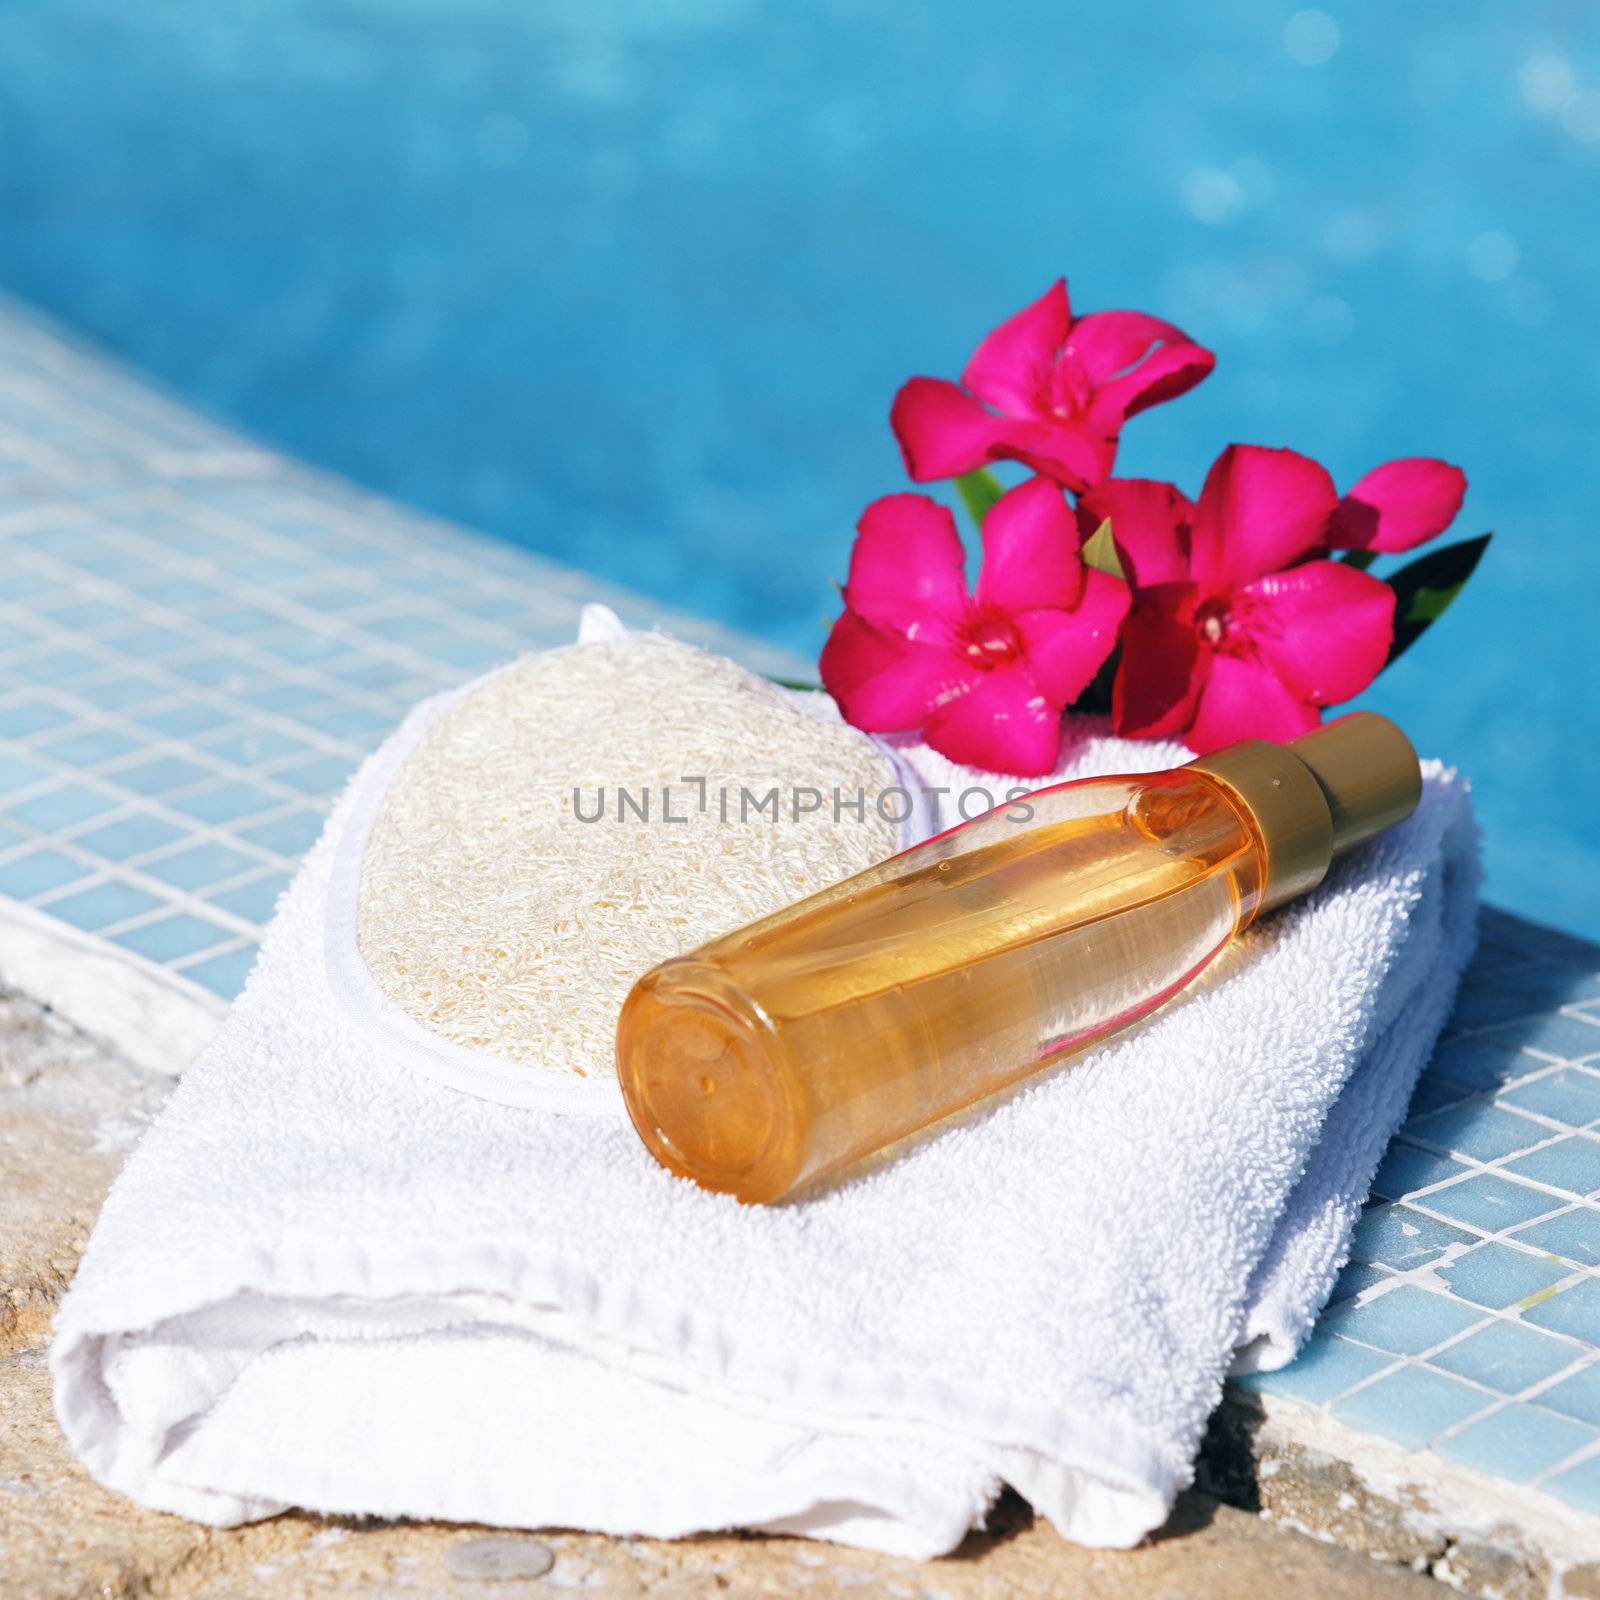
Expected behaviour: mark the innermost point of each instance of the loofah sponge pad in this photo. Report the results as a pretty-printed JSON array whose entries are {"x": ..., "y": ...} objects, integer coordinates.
[{"x": 492, "y": 914}]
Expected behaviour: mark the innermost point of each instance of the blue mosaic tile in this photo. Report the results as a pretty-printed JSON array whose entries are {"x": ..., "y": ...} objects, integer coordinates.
[
  {"x": 290, "y": 835},
  {"x": 118, "y": 691},
  {"x": 255, "y": 747},
  {"x": 333, "y": 597},
  {"x": 1571, "y": 1164},
  {"x": 134, "y": 835},
  {"x": 302, "y": 648},
  {"x": 327, "y": 775},
  {"x": 1522, "y": 993},
  {"x": 1506, "y": 1357},
  {"x": 1480, "y": 1062},
  {"x": 1405, "y": 1320},
  {"x": 1497, "y": 1276},
  {"x": 16, "y": 772},
  {"x": 1489, "y": 1202},
  {"x": 162, "y": 776},
  {"x": 1394, "y": 1236},
  {"x": 186, "y": 720},
  {"x": 94, "y": 614},
  {"x": 101, "y": 905},
  {"x": 1572, "y": 1097},
  {"x": 1327, "y": 1366},
  {"x": 142, "y": 643},
  {"x": 236, "y": 620},
  {"x": 1578, "y": 1486},
  {"x": 1411, "y": 1406},
  {"x": 58, "y": 666},
  {"x": 23, "y": 585},
  {"x": 175, "y": 593},
  {"x": 402, "y": 627},
  {"x": 254, "y": 901},
  {"x": 1574, "y": 1311},
  {"x": 199, "y": 865},
  {"x": 367, "y": 673},
  {"x": 1479, "y": 1129},
  {"x": 343, "y": 718},
  {"x": 1353, "y": 1279},
  {"x": 14, "y": 636},
  {"x": 89, "y": 747},
  {"x": 1556, "y": 1033},
  {"x": 227, "y": 802},
  {"x": 212, "y": 669},
  {"x": 38, "y": 873},
  {"x": 30, "y": 717},
  {"x": 223, "y": 974},
  {"x": 171, "y": 938},
  {"x": 467, "y": 653},
  {"x": 1434, "y": 1094},
  {"x": 56, "y": 810},
  {"x": 1575, "y": 1396},
  {"x": 1517, "y": 1442},
  {"x": 1573, "y": 1235},
  {"x": 281, "y": 697},
  {"x": 1405, "y": 1169},
  {"x": 1530, "y": 939}
]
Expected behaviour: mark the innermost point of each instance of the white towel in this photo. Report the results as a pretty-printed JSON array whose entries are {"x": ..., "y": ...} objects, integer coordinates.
[{"x": 328, "y": 1281}]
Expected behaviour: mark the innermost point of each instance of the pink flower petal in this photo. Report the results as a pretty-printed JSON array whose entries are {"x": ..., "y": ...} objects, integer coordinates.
[
  {"x": 1030, "y": 550},
  {"x": 907, "y": 568},
  {"x": 1106, "y": 343},
  {"x": 1260, "y": 510},
  {"x": 1149, "y": 523},
  {"x": 1246, "y": 700},
  {"x": 943, "y": 431},
  {"x": 1398, "y": 505},
  {"x": 1011, "y": 368},
  {"x": 1002, "y": 724},
  {"x": 1324, "y": 628},
  {"x": 1072, "y": 453},
  {"x": 1066, "y": 648},
  {"x": 1168, "y": 371},
  {"x": 883, "y": 684},
  {"x": 1162, "y": 668}
]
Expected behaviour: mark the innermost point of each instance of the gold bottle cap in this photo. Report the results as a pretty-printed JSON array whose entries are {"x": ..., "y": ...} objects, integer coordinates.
[
  {"x": 1317, "y": 796},
  {"x": 1367, "y": 771}
]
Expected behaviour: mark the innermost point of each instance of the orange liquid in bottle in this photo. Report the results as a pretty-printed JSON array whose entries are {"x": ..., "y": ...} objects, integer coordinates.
[{"x": 780, "y": 1052}]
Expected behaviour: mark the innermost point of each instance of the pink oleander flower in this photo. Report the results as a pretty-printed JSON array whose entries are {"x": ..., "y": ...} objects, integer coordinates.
[
  {"x": 984, "y": 676},
  {"x": 1049, "y": 390},
  {"x": 1234, "y": 633}
]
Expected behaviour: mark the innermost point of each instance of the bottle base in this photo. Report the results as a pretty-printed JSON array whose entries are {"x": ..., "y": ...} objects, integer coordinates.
[{"x": 700, "y": 1086}]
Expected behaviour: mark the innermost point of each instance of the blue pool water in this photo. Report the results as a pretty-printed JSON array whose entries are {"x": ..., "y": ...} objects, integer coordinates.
[{"x": 631, "y": 282}]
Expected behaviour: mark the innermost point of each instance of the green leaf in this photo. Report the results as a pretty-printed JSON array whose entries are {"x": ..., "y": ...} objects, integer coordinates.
[
  {"x": 1100, "y": 552},
  {"x": 1360, "y": 559},
  {"x": 1424, "y": 589},
  {"x": 979, "y": 490},
  {"x": 796, "y": 683}
]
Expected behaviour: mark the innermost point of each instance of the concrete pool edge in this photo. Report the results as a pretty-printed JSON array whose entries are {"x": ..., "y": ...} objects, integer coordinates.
[
  {"x": 1302, "y": 1469},
  {"x": 157, "y": 1019}
]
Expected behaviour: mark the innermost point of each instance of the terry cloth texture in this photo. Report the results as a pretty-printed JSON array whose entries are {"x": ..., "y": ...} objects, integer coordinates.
[{"x": 328, "y": 1279}]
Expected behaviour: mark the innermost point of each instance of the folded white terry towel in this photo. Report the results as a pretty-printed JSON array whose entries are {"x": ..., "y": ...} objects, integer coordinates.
[{"x": 328, "y": 1280}]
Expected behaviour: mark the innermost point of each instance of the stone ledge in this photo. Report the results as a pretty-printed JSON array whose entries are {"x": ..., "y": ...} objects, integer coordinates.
[
  {"x": 65, "y": 1538},
  {"x": 1303, "y": 1470}
]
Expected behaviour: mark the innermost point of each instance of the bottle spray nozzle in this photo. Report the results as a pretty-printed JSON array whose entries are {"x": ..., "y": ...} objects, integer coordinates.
[{"x": 1319, "y": 795}]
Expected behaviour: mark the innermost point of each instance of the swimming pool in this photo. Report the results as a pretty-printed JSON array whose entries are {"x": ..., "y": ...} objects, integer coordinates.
[{"x": 632, "y": 283}]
